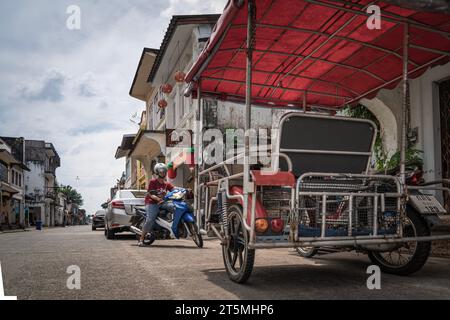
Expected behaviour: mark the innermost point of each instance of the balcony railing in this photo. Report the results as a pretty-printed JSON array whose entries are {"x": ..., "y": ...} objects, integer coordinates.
[{"x": 50, "y": 194}]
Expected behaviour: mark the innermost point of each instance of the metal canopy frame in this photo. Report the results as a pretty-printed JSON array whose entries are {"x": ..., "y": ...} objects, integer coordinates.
[{"x": 351, "y": 95}]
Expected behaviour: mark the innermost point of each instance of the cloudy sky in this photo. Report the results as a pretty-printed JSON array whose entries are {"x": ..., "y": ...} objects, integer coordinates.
[{"x": 70, "y": 87}]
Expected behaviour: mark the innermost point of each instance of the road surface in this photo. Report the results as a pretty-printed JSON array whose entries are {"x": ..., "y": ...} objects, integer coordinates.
[{"x": 34, "y": 266}]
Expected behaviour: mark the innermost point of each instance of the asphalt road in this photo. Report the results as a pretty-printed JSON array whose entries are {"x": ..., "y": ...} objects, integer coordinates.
[{"x": 34, "y": 267}]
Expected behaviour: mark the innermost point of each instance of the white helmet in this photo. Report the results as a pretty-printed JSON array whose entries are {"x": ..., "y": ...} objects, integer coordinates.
[{"x": 160, "y": 170}]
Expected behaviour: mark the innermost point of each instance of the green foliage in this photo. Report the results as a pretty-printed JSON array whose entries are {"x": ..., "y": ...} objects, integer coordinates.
[
  {"x": 413, "y": 158},
  {"x": 71, "y": 194}
]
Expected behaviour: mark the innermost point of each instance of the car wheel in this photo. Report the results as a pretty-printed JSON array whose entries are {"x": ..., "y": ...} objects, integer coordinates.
[
  {"x": 94, "y": 228},
  {"x": 110, "y": 234}
]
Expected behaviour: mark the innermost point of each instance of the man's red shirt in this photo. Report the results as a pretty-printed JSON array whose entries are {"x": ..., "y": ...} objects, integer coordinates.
[{"x": 159, "y": 188}]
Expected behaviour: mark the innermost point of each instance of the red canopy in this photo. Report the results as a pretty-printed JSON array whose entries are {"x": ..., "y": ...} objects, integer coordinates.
[{"x": 318, "y": 53}]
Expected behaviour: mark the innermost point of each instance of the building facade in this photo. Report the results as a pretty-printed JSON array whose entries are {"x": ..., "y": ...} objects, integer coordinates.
[
  {"x": 169, "y": 112},
  {"x": 40, "y": 182},
  {"x": 12, "y": 187},
  {"x": 429, "y": 130}
]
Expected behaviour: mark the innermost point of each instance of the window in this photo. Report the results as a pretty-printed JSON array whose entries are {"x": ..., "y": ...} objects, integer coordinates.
[
  {"x": 128, "y": 169},
  {"x": 171, "y": 118},
  {"x": 182, "y": 106},
  {"x": 188, "y": 103},
  {"x": 20, "y": 180}
]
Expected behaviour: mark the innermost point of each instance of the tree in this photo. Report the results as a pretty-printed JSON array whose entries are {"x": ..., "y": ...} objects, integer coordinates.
[{"x": 72, "y": 195}]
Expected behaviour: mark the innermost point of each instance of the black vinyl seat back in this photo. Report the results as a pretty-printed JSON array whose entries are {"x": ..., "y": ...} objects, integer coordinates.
[{"x": 329, "y": 144}]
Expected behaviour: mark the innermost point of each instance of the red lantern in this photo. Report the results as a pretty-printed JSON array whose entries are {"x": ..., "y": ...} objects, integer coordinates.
[
  {"x": 180, "y": 76},
  {"x": 162, "y": 103},
  {"x": 166, "y": 88}
]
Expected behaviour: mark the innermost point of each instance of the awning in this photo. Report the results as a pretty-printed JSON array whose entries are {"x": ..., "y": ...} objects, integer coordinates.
[
  {"x": 22, "y": 166},
  {"x": 8, "y": 158},
  {"x": 125, "y": 146},
  {"x": 148, "y": 144},
  {"x": 317, "y": 53}
]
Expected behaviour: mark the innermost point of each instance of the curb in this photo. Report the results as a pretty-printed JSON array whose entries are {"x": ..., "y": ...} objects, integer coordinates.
[{"x": 15, "y": 231}]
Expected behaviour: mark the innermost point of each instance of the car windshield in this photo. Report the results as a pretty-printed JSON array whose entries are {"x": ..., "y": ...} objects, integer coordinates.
[{"x": 132, "y": 194}]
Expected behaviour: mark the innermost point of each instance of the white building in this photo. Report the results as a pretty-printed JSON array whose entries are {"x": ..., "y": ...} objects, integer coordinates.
[
  {"x": 40, "y": 182},
  {"x": 184, "y": 39},
  {"x": 430, "y": 120}
]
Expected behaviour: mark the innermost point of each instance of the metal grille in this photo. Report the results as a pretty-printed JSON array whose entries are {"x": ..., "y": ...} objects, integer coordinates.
[
  {"x": 277, "y": 202},
  {"x": 342, "y": 206}
]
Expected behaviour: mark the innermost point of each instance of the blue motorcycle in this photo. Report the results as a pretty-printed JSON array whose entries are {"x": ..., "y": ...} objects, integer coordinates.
[{"x": 170, "y": 225}]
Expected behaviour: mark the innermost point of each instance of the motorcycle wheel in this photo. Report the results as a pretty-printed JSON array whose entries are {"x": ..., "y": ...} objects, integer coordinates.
[
  {"x": 306, "y": 252},
  {"x": 409, "y": 257},
  {"x": 149, "y": 239},
  {"x": 236, "y": 249},
  {"x": 195, "y": 234}
]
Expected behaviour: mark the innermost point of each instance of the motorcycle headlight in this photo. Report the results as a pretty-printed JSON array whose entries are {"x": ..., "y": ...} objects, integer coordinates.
[{"x": 177, "y": 196}]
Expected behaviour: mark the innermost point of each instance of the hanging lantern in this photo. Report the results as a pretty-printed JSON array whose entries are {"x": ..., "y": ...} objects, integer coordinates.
[
  {"x": 166, "y": 88},
  {"x": 180, "y": 76},
  {"x": 171, "y": 172},
  {"x": 162, "y": 103}
]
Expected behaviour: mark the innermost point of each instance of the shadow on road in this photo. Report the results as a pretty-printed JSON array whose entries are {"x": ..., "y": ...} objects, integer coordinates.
[
  {"x": 127, "y": 236},
  {"x": 175, "y": 246},
  {"x": 327, "y": 278},
  {"x": 324, "y": 277}
]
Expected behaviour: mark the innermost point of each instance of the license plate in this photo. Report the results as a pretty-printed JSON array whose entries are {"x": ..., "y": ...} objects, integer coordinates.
[{"x": 426, "y": 204}]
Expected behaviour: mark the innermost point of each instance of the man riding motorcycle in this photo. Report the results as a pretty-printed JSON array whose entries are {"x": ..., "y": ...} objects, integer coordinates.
[{"x": 157, "y": 189}]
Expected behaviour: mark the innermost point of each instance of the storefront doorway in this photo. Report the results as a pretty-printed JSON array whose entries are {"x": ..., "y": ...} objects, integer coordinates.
[{"x": 444, "y": 113}]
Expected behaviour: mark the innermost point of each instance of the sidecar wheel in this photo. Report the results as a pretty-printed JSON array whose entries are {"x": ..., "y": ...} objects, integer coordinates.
[
  {"x": 411, "y": 256},
  {"x": 236, "y": 250},
  {"x": 306, "y": 252}
]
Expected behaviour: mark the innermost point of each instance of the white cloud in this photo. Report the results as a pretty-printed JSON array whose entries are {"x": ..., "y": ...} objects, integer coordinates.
[
  {"x": 193, "y": 7},
  {"x": 48, "y": 88}
]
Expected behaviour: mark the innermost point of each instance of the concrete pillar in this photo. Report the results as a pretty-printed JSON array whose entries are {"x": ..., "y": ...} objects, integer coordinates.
[{"x": 385, "y": 110}]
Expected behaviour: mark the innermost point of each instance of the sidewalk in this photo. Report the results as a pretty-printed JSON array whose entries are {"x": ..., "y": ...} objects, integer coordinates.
[{"x": 16, "y": 230}]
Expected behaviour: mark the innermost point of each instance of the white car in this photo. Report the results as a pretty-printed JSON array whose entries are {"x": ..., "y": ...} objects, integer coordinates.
[{"x": 121, "y": 209}]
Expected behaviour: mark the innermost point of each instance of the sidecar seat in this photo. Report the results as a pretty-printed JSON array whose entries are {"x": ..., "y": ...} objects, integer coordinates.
[{"x": 327, "y": 144}]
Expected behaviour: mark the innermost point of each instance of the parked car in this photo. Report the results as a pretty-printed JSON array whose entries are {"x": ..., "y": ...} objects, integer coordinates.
[
  {"x": 121, "y": 210},
  {"x": 98, "y": 219}
]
